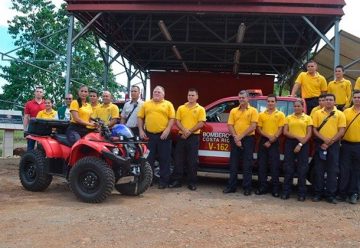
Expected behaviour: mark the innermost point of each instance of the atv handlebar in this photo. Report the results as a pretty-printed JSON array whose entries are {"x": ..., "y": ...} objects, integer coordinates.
[{"x": 104, "y": 129}]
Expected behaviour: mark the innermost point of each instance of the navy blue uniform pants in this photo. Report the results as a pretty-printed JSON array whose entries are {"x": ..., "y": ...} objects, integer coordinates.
[
  {"x": 330, "y": 166},
  {"x": 30, "y": 144},
  {"x": 349, "y": 168},
  {"x": 186, "y": 154},
  {"x": 161, "y": 150},
  {"x": 270, "y": 156},
  {"x": 311, "y": 103},
  {"x": 246, "y": 154},
  {"x": 302, "y": 168}
]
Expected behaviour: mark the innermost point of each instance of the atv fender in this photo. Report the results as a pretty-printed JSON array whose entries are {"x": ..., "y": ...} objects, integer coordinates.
[
  {"x": 52, "y": 148},
  {"x": 88, "y": 147},
  {"x": 117, "y": 161}
]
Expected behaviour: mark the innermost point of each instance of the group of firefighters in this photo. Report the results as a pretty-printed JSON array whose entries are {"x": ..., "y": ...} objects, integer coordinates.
[{"x": 333, "y": 126}]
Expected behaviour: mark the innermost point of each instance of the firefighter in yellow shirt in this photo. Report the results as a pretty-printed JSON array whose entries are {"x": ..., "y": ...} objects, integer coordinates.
[
  {"x": 312, "y": 84},
  {"x": 48, "y": 112},
  {"x": 157, "y": 117},
  {"x": 329, "y": 127},
  {"x": 270, "y": 126},
  {"x": 190, "y": 118},
  {"x": 81, "y": 111},
  {"x": 107, "y": 111},
  {"x": 320, "y": 106},
  {"x": 242, "y": 124},
  {"x": 357, "y": 84},
  {"x": 297, "y": 130},
  {"x": 341, "y": 88},
  {"x": 350, "y": 153},
  {"x": 94, "y": 99}
]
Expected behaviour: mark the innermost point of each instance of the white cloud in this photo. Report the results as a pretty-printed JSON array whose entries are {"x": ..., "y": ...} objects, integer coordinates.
[
  {"x": 349, "y": 22},
  {"x": 7, "y": 13}
]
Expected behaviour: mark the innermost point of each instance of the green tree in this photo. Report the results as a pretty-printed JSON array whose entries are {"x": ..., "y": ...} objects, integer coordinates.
[{"x": 38, "y": 26}]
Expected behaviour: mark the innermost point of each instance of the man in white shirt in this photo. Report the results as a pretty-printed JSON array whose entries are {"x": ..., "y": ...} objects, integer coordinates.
[{"x": 130, "y": 110}]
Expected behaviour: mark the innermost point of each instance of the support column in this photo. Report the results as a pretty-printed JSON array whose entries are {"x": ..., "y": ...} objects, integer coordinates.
[
  {"x": 337, "y": 44},
  {"x": 8, "y": 143},
  {"x": 107, "y": 65},
  {"x": 69, "y": 54}
]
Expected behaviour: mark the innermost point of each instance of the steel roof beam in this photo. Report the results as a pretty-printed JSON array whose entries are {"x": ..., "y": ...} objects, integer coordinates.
[
  {"x": 86, "y": 28},
  {"x": 318, "y": 31}
]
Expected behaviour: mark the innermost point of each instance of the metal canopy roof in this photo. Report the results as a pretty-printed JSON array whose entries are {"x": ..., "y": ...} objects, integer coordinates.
[
  {"x": 349, "y": 55},
  {"x": 204, "y": 33}
]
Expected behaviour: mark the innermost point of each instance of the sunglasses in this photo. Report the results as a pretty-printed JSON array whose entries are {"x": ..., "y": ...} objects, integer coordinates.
[{"x": 68, "y": 98}]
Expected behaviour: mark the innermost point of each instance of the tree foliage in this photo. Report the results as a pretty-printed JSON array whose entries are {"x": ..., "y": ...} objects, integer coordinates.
[{"x": 40, "y": 31}]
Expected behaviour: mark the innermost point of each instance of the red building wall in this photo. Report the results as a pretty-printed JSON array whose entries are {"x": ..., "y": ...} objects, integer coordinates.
[{"x": 211, "y": 86}]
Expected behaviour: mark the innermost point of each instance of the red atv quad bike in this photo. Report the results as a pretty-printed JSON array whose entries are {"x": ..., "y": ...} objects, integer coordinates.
[{"x": 93, "y": 165}]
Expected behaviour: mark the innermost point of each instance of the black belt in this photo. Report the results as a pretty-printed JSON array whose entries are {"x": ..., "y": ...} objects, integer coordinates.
[
  {"x": 311, "y": 98},
  {"x": 350, "y": 143},
  {"x": 153, "y": 133}
]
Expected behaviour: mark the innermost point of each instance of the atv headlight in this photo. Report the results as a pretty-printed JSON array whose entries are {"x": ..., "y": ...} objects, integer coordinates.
[{"x": 115, "y": 151}]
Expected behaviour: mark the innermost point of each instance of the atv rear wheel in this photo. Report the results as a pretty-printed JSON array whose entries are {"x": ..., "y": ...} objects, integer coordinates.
[
  {"x": 91, "y": 180},
  {"x": 32, "y": 171},
  {"x": 141, "y": 185}
]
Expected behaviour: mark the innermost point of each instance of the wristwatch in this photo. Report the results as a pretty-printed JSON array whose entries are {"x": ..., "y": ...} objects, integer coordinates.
[{"x": 300, "y": 144}]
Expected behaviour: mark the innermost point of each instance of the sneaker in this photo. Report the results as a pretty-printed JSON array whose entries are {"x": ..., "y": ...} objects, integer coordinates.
[
  {"x": 353, "y": 198},
  {"x": 331, "y": 200}
]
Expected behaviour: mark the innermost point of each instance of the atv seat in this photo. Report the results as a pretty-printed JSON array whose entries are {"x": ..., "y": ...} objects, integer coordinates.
[{"x": 62, "y": 138}]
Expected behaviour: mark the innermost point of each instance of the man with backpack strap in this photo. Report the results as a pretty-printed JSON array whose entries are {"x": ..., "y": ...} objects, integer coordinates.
[
  {"x": 329, "y": 126},
  {"x": 131, "y": 108}
]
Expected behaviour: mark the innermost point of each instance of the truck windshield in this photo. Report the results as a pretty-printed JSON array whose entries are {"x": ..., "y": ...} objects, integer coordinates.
[{"x": 220, "y": 112}]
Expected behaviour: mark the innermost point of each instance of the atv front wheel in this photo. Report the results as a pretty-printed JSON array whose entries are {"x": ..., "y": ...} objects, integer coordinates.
[
  {"x": 91, "y": 180},
  {"x": 32, "y": 171},
  {"x": 139, "y": 186}
]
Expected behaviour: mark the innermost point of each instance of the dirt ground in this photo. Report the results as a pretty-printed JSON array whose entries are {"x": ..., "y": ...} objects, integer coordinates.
[{"x": 168, "y": 218}]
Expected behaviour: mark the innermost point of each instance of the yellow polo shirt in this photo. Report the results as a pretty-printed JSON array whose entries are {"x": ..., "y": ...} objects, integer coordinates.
[
  {"x": 353, "y": 132},
  {"x": 190, "y": 116},
  {"x": 270, "y": 123},
  {"x": 331, "y": 128},
  {"x": 298, "y": 125},
  {"x": 95, "y": 107},
  {"x": 314, "y": 110},
  {"x": 311, "y": 86},
  {"x": 242, "y": 119},
  {"x": 107, "y": 112},
  {"x": 156, "y": 115},
  {"x": 84, "y": 112},
  {"x": 342, "y": 91},
  {"x": 45, "y": 115},
  {"x": 357, "y": 84}
]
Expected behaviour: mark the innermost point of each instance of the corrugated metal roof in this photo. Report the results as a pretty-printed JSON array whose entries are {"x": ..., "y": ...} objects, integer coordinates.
[
  {"x": 204, "y": 32},
  {"x": 349, "y": 52}
]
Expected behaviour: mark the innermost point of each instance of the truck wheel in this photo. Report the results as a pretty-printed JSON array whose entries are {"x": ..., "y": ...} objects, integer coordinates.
[
  {"x": 91, "y": 180},
  {"x": 143, "y": 183},
  {"x": 32, "y": 171}
]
